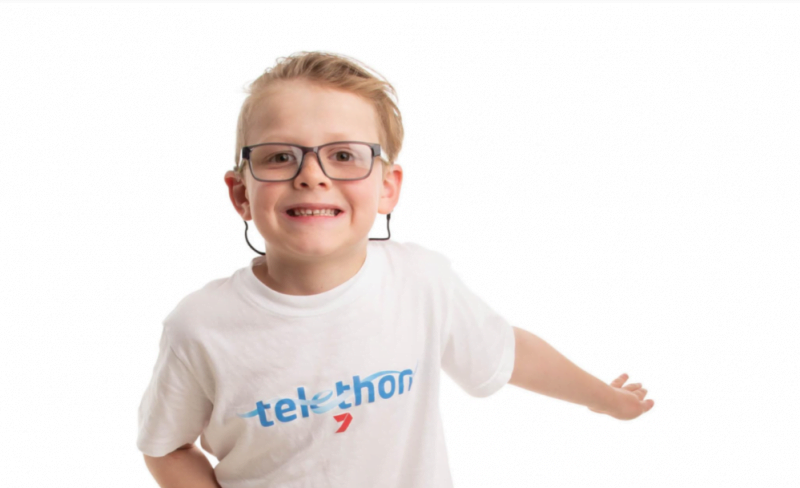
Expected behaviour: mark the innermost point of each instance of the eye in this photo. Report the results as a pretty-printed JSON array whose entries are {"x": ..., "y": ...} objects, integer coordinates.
[
  {"x": 349, "y": 156},
  {"x": 281, "y": 157}
]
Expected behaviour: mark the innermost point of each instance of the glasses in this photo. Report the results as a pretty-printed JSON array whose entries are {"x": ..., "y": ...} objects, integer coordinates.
[{"x": 279, "y": 161}]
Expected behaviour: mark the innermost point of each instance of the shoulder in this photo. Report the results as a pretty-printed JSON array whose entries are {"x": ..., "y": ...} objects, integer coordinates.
[
  {"x": 197, "y": 309},
  {"x": 415, "y": 259}
]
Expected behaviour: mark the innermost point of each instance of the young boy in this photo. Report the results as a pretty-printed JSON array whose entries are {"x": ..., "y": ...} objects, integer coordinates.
[{"x": 318, "y": 363}]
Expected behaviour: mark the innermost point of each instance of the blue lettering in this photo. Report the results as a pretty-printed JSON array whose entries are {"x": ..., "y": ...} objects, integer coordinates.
[
  {"x": 317, "y": 400},
  {"x": 383, "y": 381},
  {"x": 357, "y": 386},
  {"x": 410, "y": 374},
  {"x": 280, "y": 410},
  {"x": 262, "y": 414},
  {"x": 301, "y": 394},
  {"x": 285, "y": 406},
  {"x": 341, "y": 388}
]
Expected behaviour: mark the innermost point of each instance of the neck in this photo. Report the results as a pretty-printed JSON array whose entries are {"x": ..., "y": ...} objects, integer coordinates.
[{"x": 296, "y": 276}]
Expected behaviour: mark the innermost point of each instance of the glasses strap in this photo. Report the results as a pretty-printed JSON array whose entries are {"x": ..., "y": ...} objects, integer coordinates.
[{"x": 388, "y": 216}]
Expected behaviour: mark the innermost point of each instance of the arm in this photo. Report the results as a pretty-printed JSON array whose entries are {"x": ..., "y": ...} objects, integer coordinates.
[
  {"x": 541, "y": 369},
  {"x": 185, "y": 467}
]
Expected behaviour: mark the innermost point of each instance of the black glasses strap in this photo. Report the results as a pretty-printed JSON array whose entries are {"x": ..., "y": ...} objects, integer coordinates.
[{"x": 388, "y": 216}]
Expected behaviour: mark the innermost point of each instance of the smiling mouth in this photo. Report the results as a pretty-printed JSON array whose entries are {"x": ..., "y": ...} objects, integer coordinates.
[{"x": 328, "y": 214}]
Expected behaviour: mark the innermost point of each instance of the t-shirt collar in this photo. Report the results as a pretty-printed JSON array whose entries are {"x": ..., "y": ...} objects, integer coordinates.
[{"x": 306, "y": 305}]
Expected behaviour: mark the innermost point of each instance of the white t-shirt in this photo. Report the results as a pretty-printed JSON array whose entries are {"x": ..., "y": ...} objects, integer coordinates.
[{"x": 329, "y": 390}]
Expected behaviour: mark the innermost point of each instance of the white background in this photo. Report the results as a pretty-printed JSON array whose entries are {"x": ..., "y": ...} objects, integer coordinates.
[{"x": 646, "y": 219}]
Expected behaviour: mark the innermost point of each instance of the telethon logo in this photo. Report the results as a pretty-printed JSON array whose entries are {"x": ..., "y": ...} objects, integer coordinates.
[{"x": 389, "y": 383}]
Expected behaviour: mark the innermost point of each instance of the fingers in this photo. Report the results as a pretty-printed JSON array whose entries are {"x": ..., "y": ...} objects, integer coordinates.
[
  {"x": 646, "y": 404},
  {"x": 617, "y": 383},
  {"x": 635, "y": 388}
]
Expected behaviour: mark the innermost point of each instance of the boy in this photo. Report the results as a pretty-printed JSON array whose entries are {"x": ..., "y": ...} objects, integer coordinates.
[{"x": 318, "y": 364}]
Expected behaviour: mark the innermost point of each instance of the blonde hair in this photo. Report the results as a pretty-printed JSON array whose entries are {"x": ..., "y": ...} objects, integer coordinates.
[{"x": 334, "y": 71}]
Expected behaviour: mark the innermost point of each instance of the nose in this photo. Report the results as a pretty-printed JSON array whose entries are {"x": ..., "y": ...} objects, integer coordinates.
[{"x": 311, "y": 173}]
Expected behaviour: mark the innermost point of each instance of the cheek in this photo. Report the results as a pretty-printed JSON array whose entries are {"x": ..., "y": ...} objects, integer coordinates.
[
  {"x": 362, "y": 196},
  {"x": 267, "y": 195},
  {"x": 264, "y": 204},
  {"x": 365, "y": 203}
]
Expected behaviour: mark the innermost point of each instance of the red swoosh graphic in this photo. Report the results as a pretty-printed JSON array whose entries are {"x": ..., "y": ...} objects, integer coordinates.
[{"x": 346, "y": 418}]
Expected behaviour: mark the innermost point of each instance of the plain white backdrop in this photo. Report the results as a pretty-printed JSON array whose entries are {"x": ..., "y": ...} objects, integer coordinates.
[{"x": 639, "y": 212}]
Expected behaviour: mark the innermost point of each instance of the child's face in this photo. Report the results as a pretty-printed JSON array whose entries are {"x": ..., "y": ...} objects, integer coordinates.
[{"x": 303, "y": 113}]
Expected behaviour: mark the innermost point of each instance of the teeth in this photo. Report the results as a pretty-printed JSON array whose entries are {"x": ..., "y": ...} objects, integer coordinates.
[{"x": 304, "y": 211}]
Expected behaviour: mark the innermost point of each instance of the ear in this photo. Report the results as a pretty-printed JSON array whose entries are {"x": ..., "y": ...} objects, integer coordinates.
[
  {"x": 390, "y": 188},
  {"x": 237, "y": 190}
]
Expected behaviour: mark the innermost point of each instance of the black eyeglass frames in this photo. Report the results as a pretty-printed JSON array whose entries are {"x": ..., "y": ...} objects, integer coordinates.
[{"x": 280, "y": 161}]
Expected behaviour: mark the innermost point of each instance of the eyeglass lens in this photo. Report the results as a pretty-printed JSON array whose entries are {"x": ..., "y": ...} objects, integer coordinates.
[{"x": 345, "y": 161}]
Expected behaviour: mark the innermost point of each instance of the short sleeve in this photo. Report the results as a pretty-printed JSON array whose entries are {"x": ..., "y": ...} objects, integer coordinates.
[
  {"x": 174, "y": 409},
  {"x": 478, "y": 351}
]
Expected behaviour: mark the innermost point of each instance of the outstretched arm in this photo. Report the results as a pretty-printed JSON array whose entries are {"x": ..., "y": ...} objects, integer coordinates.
[{"x": 541, "y": 369}]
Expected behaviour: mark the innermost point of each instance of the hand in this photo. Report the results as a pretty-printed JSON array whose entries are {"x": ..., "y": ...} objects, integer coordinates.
[{"x": 628, "y": 402}]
